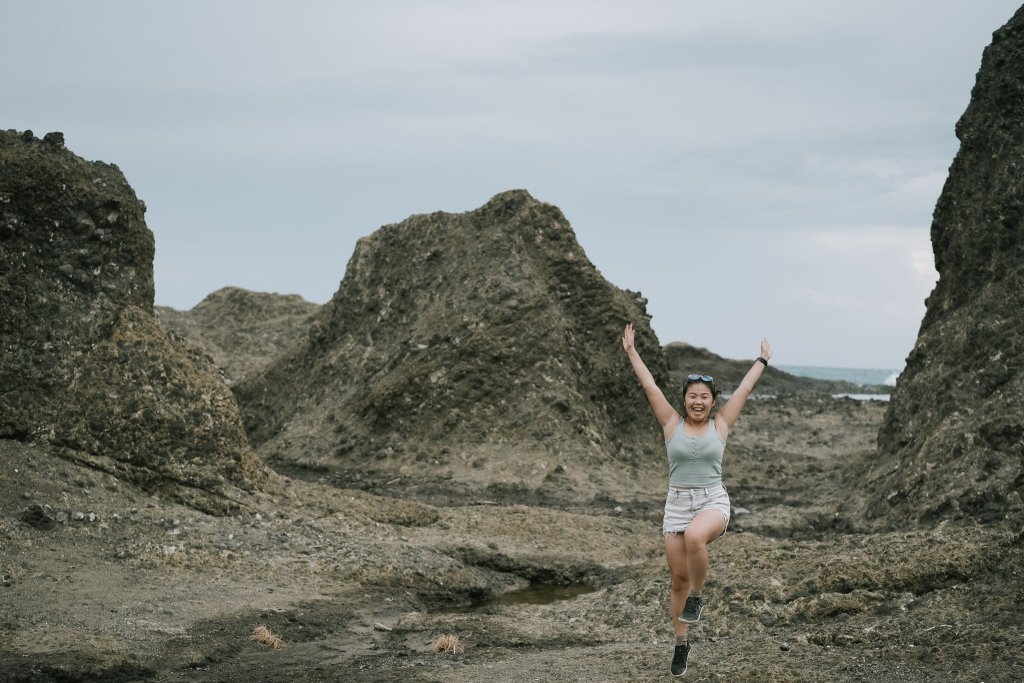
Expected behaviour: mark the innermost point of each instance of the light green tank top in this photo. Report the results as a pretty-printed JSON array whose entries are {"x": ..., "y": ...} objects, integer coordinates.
[{"x": 695, "y": 461}]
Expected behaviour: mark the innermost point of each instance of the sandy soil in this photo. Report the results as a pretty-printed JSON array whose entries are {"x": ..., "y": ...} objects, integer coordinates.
[{"x": 104, "y": 582}]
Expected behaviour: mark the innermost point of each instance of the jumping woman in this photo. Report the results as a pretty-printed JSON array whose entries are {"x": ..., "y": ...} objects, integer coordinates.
[{"x": 697, "y": 508}]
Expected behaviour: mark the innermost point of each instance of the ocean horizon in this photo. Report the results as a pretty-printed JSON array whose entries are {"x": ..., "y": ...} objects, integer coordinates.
[{"x": 861, "y": 376}]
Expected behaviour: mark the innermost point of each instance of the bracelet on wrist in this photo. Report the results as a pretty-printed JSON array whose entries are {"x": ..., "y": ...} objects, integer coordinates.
[{"x": 762, "y": 359}]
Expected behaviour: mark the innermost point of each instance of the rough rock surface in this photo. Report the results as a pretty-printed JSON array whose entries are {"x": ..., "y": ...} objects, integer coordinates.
[
  {"x": 85, "y": 366},
  {"x": 952, "y": 443},
  {"x": 242, "y": 330},
  {"x": 481, "y": 345}
]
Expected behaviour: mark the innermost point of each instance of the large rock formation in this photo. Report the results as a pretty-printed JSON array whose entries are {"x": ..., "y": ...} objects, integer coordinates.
[
  {"x": 85, "y": 365},
  {"x": 242, "y": 330},
  {"x": 482, "y": 345},
  {"x": 952, "y": 443}
]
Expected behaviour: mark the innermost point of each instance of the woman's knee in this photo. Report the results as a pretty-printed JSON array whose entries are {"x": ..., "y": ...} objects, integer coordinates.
[{"x": 696, "y": 545}]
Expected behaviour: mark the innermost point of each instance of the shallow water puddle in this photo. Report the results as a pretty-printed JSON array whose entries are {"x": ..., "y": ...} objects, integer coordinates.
[{"x": 534, "y": 594}]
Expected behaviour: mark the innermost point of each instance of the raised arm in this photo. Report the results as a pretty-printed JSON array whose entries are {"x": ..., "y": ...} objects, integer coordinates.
[
  {"x": 663, "y": 410},
  {"x": 731, "y": 410}
]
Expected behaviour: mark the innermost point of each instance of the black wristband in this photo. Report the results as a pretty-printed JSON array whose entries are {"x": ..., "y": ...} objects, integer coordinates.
[{"x": 761, "y": 359}]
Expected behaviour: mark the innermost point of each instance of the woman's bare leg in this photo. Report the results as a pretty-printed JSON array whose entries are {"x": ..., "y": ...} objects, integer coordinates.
[
  {"x": 707, "y": 526},
  {"x": 675, "y": 552}
]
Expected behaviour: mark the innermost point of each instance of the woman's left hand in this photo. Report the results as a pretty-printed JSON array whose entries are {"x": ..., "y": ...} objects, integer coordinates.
[{"x": 766, "y": 349}]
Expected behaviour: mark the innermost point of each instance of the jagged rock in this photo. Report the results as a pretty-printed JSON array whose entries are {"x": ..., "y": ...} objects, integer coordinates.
[
  {"x": 85, "y": 366},
  {"x": 482, "y": 343},
  {"x": 952, "y": 443},
  {"x": 242, "y": 330}
]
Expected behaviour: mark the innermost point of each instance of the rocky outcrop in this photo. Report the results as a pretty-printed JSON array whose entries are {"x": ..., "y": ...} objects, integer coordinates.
[
  {"x": 85, "y": 366},
  {"x": 482, "y": 343},
  {"x": 952, "y": 443},
  {"x": 242, "y": 330}
]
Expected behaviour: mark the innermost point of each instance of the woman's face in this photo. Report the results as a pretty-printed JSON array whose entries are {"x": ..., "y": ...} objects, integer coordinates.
[{"x": 698, "y": 401}]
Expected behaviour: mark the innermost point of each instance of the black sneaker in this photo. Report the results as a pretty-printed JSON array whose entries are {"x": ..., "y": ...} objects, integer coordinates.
[
  {"x": 679, "y": 659},
  {"x": 692, "y": 610}
]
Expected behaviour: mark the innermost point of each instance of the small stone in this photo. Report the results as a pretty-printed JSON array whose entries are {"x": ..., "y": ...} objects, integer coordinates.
[
  {"x": 78, "y": 516},
  {"x": 738, "y": 607},
  {"x": 785, "y": 647}
]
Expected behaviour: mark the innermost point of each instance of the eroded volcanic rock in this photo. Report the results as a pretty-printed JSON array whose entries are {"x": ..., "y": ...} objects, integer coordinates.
[
  {"x": 483, "y": 344},
  {"x": 85, "y": 366},
  {"x": 242, "y": 330},
  {"x": 952, "y": 443}
]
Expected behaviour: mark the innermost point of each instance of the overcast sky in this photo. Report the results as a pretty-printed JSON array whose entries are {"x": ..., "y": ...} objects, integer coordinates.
[{"x": 754, "y": 168}]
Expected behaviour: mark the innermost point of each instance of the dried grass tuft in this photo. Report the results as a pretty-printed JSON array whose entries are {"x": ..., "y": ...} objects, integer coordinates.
[
  {"x": 449, "y": 643},
  {"x": 264, "y": 636}
]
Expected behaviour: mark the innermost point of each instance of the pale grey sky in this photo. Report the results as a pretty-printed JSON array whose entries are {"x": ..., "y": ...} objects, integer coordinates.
[{"x": 753, "y": 168}]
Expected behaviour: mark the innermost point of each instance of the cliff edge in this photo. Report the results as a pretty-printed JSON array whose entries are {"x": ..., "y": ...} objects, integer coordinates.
[{"x": 952, "y": 442}]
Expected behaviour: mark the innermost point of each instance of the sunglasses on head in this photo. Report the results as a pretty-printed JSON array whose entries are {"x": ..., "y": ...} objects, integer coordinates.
[{"x": 700, "y": 378}]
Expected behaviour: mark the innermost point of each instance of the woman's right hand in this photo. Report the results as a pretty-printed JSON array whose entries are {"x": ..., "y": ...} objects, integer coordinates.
[{"x": 627, "y": 338}]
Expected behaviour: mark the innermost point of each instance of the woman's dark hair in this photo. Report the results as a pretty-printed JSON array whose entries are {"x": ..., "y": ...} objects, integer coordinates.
[{"x": 709, "y": 383}]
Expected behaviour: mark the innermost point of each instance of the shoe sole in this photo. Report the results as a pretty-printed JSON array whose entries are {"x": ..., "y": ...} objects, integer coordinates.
[{"x": 691, "y": 621}]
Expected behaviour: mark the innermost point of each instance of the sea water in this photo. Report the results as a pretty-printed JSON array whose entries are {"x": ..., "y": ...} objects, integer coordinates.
[{"x": 861, "y": 376}]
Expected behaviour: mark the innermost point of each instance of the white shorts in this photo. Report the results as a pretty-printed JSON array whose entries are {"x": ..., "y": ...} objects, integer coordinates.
[{"x": 682, "y": 505}]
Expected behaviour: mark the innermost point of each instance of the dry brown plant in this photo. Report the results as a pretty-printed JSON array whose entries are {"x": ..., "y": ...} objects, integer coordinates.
[
  {"x": 448, "y": 643},
  {"x": 264, "y": 636}
]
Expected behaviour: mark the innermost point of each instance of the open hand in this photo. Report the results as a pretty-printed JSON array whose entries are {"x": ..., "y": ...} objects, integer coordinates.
[
  {"x": 627, "y": 338},
  {"x": 766, "y": 349}
]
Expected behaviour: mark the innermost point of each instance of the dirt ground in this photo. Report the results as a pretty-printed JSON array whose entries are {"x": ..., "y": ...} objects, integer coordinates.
[{"x": 101, "y": 581}]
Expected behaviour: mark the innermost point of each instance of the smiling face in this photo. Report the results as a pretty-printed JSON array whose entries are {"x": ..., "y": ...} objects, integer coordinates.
[{"x": 698, "y": 400}]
